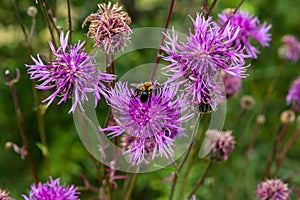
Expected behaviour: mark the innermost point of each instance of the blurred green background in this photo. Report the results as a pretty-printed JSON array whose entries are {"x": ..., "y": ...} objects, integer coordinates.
[{"x": 68, "y": 157}]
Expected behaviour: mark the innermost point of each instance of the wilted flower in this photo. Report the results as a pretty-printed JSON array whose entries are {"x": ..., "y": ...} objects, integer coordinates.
[
  {"x": 72, "y": 72},
  {"x": 150, "y": 126},
  {"x": 290, "y": 49},
  {"x": 109, "y": 27},
  {"x": 250, "y": 27},
  {"x": 294, "y": 94},
  {"x": 52, "y": 191},
  {"x": 202, "y": 57},
  {"x": 4, "y": 195},
  {"x": 221, "y": 144},
  {"x": 273, "y": 189},
  {"x": 232, "y": 84}
]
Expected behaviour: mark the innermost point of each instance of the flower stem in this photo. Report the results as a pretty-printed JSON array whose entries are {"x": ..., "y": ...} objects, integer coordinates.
[
  {"x": 200, "y": 180},
  {"x": 238, "y": 117},
  {"x": 131, "y": 186},
  {"x": 69, "y": 21},
  {"x": 185, "y": 156},
  {"x": 210, "y": 8},
  {"x": 10, "y": 83},
  {"x": 162, "y": 40},
  {"x": 281, "y": 132},
  {"x": 286, "y": 148}
]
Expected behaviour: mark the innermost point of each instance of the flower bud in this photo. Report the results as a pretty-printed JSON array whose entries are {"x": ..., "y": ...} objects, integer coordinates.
[
  {"x": 260, "y": 119},
  {"x": 247, "y": 102},
  {"x": 32, "y": 11},
  {"x": 287, "y": 117}
]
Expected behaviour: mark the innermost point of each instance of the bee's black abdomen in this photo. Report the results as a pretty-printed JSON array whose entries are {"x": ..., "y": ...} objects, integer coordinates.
[{"x": 144, "y": 97}]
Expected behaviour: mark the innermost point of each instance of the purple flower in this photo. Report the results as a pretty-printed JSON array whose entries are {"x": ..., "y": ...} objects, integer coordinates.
[
  {"x": 294, "y": 94},
  {"x": 52, "y": 191},
  {"x": 290, "y": 49},
  {"x": 4, "y": 195},
  {"x": 72, "y": 72},
  {"x": 221, "y": 144},
  {"x": 150, "y": 127},
  {"x": 232, "y": 84},
  {"x": 273, "y": 189},
  {"x": 250, "y": 27},
  {"x": 207, "y": 51},
  {"x": 109, "y": 27}
]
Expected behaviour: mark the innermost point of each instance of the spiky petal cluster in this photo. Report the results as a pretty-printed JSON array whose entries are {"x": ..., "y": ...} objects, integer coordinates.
[
  {"x": 250, "y": 27},
  {"x": 109, "y": 27},
  {"x": 294, "y": 94},
  {"x": 4, "y": 195},
  {"x": 151, "y": 126},
  {"x": 52, "y": 191},
  {"x": 72, "y": 72},
  {"x": 273, "y": 189},
  {"x": 290, "y": 49},
  {"x": 207, "y": 51},
  {"x": 232, "y": 84},
  {"x": 220, "y": 144}
]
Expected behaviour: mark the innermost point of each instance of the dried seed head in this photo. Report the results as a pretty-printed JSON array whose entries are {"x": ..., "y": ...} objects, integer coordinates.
[
  {"x": 32, "y": 11},
  {"x": 260, "y": 119},
  {"x": 247, "y": 102},
  {"x": 287, "y": 117}
]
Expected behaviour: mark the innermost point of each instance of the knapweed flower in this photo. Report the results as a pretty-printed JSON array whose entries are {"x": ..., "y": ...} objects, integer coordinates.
[
  {"x": 250, "y": 27},
  {"x": 220, "y": 144},
  {"x": 201, "y": 58},
  {"x": 290, "y": 49},
  {"x": 72, "y": 72},
  {"x": 293, "y": 96},
  {"x": 273, "y": 189},
  {"x": 150, "y": 125},
  {"x": 52, "y": 191},
  {"x": 232, "y": 84},
  {"x": 109, "y": 27},
  {"x": 4, "y": 195}
]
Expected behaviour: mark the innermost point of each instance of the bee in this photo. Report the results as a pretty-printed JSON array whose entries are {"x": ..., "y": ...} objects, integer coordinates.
[
  {"x": 204, "y": 108},
  {"x": 145, "y": 90}
]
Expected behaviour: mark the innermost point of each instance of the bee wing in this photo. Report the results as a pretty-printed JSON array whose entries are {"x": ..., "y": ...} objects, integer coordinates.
[{"x": 136, "y": 85}]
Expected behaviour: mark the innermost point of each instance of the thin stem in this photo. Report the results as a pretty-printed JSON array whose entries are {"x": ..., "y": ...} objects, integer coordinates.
[
  {"x": 238, "y": 117},
  {"x": 185, "y": 157},
  {"x": 286, "y": 148},
  {"x": 44, "y": 9},
  {"x": 252, "y": 139},
  {"x": 51, "y": 17},
  {"x": 131, "y": 186},
  {"x": 10, "y": 83},
  {"x": 281, "y": 131},
  {"x": 210, "y": 9},
  {"x": 193, "y": 155},
  {"x": 200, "y": 180},
  {"x": 235, "y": 11},
  {"x": 162, "y": 40},
  {"x": 69, "y": 21}
]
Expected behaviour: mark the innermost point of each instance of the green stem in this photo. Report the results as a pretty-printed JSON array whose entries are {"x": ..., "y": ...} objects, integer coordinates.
[
  {"x": 69, "y": 20},
  {"x": 200, "y": 180},
  {"x": 185, "y": 157},
  {"x": 10, "y": 83},
  {"x": 131, "y": 186}
]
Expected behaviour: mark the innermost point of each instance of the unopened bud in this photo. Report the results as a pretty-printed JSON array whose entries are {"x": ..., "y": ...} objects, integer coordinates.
[
  {"x": 32, "y": 11},
  {"x": 247, "y": 102},
  {"x": 287, "y": 117},
  {"x": 260, "y": 119},
  {"x": 8, "y": 145}
]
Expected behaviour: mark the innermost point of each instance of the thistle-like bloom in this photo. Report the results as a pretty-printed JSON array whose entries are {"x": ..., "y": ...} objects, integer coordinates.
[
  {"x": 207, "y": 51},
  {"x": 290, "y": 49},
  {"x": 150, "y": 127},
  {"x": 232, "y": 84},
  {"x": 4, "y": 195},
  {"x": 72, "y": 72},
  {"x": 250, "y": 27},
  {"x": 220, "y": 144},
  {"x": 109, "y": 27},
  {"x": 293, "y": 96},
  {"x": 273, "y": 189},
  {"x": 52, "y": 191}
]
